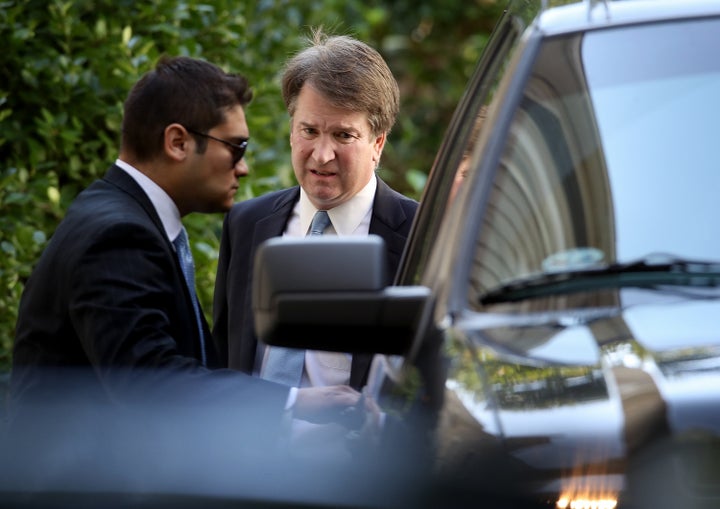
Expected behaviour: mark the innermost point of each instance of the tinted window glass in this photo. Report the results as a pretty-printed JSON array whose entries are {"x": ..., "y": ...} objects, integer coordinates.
[
  {"x": 451, "y": 165},
  {"x": 658, "y": 126},
  {"x": 611, "y": 155}
]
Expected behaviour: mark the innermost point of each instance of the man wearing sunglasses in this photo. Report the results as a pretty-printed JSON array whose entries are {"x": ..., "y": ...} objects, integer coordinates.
[{"x": 112, "y": 298}]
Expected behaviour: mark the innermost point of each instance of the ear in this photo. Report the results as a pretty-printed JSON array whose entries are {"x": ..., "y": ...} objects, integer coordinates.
[
  {"x": 177, "y": 142},
  {"x": 378, "y": 145}
]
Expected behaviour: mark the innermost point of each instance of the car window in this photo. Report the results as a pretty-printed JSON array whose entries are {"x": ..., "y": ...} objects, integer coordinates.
[
  {"x": 658, "y": 129},
  {"x": 610, "y": 157},
  {"x": 450, "y": 168}
]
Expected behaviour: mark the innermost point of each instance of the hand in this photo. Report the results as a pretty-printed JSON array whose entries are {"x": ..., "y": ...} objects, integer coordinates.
[
  {"x": 373, "y": 417},
  {"x": 322, "y": 405},
  {"x": 365, "y": 436}
]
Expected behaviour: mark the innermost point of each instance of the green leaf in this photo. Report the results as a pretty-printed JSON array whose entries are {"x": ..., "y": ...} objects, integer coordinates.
[
  {"x": 67, "y": 66},
  {"x": 39, "y": 237},
  {"x": 7, "y": 248}
]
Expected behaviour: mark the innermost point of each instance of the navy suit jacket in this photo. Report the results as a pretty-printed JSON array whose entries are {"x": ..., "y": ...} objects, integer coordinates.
[
  {"x": 108, "y": 298},
  {"x": 250, "y": 223}
]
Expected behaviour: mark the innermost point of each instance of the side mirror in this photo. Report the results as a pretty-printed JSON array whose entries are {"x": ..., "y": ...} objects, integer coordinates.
[{"x": 329, "y": 293}]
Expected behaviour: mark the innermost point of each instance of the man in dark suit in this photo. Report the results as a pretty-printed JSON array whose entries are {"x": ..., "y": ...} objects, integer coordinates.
[
  {"x": 343, "y": 100},
  {"x": 108, "y": 300}
]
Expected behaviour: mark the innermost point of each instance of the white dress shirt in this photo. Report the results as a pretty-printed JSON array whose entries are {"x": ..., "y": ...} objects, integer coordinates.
[
  {"x": 350, "y": 218},
  {"x": 164, "y": 205}
]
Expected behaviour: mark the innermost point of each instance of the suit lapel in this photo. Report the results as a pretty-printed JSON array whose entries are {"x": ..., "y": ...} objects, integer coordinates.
[
  {"x": 116, "y": 176},
  {"x": 270, "y": 226},
  {"x": 119, "y": 178},
  {"x": 273, "y": 225},
  {"x": 389, "y": 221},
  {"x": 388, "y": 217}
]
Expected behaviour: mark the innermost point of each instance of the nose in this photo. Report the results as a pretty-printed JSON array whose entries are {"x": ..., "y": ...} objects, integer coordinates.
[
  {"x": 241, "y": 168},
  {"x": 323, "y": 150}
]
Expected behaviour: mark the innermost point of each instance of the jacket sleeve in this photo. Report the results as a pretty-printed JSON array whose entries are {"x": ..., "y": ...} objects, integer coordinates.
[{"x": 129, "y": 307}]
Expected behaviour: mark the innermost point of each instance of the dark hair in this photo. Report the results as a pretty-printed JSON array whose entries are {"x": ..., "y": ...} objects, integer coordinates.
[
  {"x": 185, "y": 90},
  {"x": 347, "y": 72}
]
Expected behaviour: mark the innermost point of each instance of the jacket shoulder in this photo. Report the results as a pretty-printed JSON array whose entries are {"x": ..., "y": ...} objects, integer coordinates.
[{"x": 261, "y": 206}]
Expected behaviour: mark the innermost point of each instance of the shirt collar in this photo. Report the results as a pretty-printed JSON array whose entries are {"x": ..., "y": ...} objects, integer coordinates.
[
  {"x": 347, "y": 216},
  {"x": 164, "y": 205}
]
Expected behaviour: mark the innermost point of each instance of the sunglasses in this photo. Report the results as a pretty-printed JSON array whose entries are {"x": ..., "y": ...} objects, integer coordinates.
[{"x": 237, "y": 150}]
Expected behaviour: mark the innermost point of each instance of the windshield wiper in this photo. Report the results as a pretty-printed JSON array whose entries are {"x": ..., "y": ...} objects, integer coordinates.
[{"x": 650, "y": 271}]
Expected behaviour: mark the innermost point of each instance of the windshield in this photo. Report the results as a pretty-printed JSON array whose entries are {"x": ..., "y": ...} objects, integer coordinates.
[
  {"x": 611, "y": 156},
  {"x": 658, "y": 128}
]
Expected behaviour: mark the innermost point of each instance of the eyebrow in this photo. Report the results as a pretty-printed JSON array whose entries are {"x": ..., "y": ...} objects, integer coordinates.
[{"x": 341, "y": 127}]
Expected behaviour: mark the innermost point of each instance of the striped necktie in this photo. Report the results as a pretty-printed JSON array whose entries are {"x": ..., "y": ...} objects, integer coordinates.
[{"x": 182, "y": 247}]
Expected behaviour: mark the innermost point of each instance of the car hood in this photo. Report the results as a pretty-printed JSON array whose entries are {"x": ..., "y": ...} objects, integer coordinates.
[
  {"x": 678, "y": 345},
  {"x": 586, "y": 391},
  {"x": 671, "y": 340}
]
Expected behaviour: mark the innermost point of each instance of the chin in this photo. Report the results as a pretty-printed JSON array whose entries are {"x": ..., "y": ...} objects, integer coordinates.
[
  {"x": 218, "y": 207},
  {"x": 326, "y": 196}
]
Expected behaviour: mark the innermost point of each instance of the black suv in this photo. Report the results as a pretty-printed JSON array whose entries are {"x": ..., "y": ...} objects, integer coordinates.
[{"x": 553, "y": 325}]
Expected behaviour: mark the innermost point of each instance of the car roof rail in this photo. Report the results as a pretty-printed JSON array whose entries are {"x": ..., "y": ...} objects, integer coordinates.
[
  {"x": 544, "y": 5},
  {"x": 593, "y": 3}
]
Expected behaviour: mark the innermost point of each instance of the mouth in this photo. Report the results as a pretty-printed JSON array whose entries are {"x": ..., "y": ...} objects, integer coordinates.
[{"x": 323, "y": 173}]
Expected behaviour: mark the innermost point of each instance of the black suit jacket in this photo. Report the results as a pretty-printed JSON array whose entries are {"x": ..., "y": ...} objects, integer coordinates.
[
  {"x": 108, "y": 299},
  {"x": 252, "y": 222}
]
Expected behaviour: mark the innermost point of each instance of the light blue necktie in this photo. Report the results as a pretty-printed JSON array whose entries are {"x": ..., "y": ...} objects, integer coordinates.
[
  {"x": 285, "y": 365},
  {"x": 320, "y": 221},
  {"x": 182, "y": 247}
]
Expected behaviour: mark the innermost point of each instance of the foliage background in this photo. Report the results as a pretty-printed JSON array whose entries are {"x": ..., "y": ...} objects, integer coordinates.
[{"x": 67, "y": 65}]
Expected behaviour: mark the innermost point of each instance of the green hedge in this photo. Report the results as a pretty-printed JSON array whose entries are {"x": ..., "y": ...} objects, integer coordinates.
[{"x": 66, "y": 67}]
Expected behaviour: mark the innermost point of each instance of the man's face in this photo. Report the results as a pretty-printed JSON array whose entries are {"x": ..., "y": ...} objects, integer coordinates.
[
  {"x": 213, "y": 180},
  {"x": 334, "y": 153}
]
